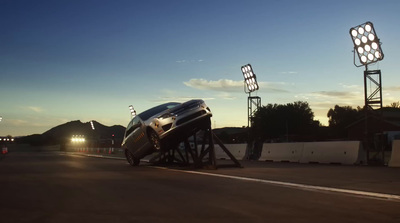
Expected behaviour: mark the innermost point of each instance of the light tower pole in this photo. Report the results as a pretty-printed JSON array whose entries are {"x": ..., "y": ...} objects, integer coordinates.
[
  {"x": 253, "y": 104},
  {"x": 368, "y": 48},
  {"x": 250, "y": 85}
]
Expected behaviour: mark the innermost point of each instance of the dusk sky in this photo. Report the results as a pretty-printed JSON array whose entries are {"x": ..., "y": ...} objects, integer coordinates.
[{"x": 90, "y": 59}]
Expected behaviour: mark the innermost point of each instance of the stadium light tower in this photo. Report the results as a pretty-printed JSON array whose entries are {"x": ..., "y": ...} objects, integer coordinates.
[
  {"x": 133, "y": 112},
  {"x": 368, "y": 48},
  {"x": 369, "y": 51},
  {"x": 92, "y": 125},
  {"x": 250, "y": 85}
]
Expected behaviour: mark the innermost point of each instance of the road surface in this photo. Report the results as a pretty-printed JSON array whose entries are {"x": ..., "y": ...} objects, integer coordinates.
[{"x": 61, "y": 187}]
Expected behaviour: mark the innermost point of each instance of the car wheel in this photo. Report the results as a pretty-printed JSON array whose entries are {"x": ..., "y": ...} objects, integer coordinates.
[
  {"x": 131, "y": 159},
  {"x": 155, "y": 141}
]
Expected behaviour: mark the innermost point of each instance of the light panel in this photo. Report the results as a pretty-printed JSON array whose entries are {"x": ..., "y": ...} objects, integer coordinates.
[
  {"x": 78, "y": 139},
  {"x": 366, "y": 43},
  {"x": 250, "y": 78}
]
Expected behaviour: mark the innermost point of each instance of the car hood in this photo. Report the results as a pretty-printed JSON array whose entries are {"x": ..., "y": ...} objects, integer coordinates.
[
  {"x": 184, "y": 106},
  {"x": 179, "y": 108}
]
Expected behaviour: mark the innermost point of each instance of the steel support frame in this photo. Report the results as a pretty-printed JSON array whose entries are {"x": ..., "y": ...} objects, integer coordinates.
[
  {"x": 373, "y": 100},
  {"x": 201, "y": 154},
  {"x": 253, "y": 104}
]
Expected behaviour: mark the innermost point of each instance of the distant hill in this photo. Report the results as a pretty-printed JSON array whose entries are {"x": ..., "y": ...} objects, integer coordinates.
[{"x": 63, "y": 133}]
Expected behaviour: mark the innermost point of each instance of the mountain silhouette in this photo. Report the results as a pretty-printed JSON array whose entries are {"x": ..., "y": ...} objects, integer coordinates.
[{"x": 63, "y": 133}]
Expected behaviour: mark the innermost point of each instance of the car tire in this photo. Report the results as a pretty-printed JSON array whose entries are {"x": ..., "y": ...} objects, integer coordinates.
[
  {"x": 154, "y": 141},
  {"x": 132, "y": 160}
]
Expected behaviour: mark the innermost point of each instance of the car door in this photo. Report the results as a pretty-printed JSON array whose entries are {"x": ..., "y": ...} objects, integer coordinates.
[{"x": 135, "y": 135}]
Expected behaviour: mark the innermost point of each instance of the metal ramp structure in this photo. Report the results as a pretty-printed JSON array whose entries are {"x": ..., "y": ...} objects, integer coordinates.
[{"x": 195, "y": 149}]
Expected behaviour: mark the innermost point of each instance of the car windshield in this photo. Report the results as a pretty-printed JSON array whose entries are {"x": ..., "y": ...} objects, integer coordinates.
[{"x": 153, "y": 111}]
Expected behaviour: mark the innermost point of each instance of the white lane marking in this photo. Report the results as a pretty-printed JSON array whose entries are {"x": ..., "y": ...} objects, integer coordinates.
[
  {"x": 94, "y": 155},
  {"x": 391, "y": 197}
]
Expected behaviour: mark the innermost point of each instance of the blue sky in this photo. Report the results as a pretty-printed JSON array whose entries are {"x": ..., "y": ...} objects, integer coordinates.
[{"x": 89, "y": 60}]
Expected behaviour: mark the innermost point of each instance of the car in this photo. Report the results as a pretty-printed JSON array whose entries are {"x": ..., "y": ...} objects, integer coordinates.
[{"x": 165, "y": 125}]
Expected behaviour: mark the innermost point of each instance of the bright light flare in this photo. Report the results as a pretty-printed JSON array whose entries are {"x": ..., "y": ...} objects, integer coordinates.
[
  {"x": 78, "y": 139},
  {"x": 366, "y": 43}
]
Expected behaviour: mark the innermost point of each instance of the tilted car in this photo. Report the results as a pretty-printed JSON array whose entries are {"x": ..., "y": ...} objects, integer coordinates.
[{"x": 159, "y": 127}]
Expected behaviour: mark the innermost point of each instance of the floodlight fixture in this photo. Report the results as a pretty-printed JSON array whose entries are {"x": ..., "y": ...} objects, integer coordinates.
[
  {"x": 78, "y": 139},
  {"x": 91, "y": 124},
  {"x": 1, "y": 118},
  {"x": 366, "y": 43},
  {"x": 133, "y": 112},
  {"x": 250, "y": 78}
]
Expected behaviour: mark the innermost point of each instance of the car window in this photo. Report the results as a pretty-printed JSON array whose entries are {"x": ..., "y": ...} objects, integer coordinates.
[
  {"x": 153, "y": 111},
  {"x": 133, "y": 124},
  {"x": 129, "y": 125}
]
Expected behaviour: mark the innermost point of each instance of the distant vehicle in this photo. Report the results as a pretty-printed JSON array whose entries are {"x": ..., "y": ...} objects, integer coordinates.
[{"x": 155, "y": 129}]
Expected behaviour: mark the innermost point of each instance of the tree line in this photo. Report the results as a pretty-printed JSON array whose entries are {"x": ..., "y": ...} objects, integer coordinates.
[{"x": 295, "y": 122}]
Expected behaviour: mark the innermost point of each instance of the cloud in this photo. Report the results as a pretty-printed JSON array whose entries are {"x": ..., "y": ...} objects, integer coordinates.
[
  {"x": 345, "y": 86},
  {"x": 392, "y": 88},
  {"x": 335, "y": 94},
  {"x": 327, "y": 99},
  {"x": 289, "y": 72},
  {"x": 35, "y": 109},
  {"x": 17, "y": 122},
  {"x": 166, "y": 99},
  {"x": 226, "y": 85},
  {"x": 226, "y": 96},
  {"x": 189, "y": 61},
  {"x": 220, "y": 85}
]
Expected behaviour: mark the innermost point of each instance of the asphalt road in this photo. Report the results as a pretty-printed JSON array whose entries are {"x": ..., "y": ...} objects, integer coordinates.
[{"x": 58, "y": 187}]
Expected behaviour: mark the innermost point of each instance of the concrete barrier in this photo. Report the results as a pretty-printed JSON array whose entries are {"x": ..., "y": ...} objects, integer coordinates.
[
  {"x": 237, "y": 150},
  {"x": 395, "y": 157},
  {"x": 341, "y": 152},
  {"x": 282, "y": 152}
]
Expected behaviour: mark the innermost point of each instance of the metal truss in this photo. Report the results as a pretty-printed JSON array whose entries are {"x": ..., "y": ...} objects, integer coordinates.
[
  {"x": 196, "y": 150},
  {"x": 373, "y": 93},
  {"x": 373, "y": 101},
  {"x": 253, "y": 104}
]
